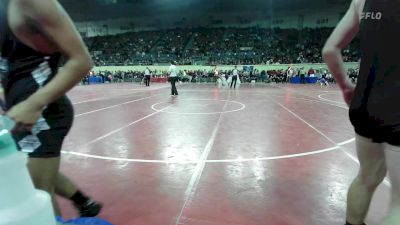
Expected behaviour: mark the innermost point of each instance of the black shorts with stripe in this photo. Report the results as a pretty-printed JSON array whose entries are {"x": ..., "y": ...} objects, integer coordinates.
[{"x": 47, "y": 136}]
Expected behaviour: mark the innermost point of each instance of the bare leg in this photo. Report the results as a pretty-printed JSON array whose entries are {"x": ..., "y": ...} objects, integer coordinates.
[
  {"x": 44, "y": 175},
  {"x": 393, "y": 159},
  {"x": 64, "y": 186},
  {"x": 371, "y": 174}
]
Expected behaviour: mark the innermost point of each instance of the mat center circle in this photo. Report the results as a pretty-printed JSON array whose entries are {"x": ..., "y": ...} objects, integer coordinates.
[{"x": 198, "y": 106}]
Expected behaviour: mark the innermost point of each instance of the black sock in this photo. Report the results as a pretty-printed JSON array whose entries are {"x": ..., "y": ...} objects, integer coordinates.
[
  {"x": 347, "y": 223},
  {"x": 79, "y": 198}
]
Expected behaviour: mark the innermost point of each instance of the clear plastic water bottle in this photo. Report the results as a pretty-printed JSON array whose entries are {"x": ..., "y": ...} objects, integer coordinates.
[{"x": 20, "y": 203}]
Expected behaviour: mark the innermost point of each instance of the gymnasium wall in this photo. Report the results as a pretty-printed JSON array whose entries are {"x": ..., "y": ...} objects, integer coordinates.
[{"x": 222, "y": 67}]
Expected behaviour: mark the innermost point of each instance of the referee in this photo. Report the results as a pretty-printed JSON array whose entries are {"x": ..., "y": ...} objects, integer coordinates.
[
  {"x": 173, "y": 76},
  {"x": 235, "y": 76},
  {"x": 147, "y": 76}
]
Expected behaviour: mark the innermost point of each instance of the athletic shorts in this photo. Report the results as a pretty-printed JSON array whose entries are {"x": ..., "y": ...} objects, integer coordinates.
[
  {"x": 48, "y": 134},
  {"x": 371, "y": 128}
]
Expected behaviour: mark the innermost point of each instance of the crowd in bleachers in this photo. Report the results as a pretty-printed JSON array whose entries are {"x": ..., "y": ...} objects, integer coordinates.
[
  {"x": 121, "y": 49},
  {"x": 255, "y": 75},
  {"x": 212, "y": 46}
]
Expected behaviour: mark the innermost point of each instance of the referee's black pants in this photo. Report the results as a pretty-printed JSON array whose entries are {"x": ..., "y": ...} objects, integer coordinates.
[
  {"x": 147, "y": 80},
  {"x": 173, "y": 86},
  {"x": 234, "y": 79}
]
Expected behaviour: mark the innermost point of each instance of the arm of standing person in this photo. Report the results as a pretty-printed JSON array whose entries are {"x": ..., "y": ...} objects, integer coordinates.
[
  {"x": 50, "y": 20},
  {"x": 343, "y": 34},
  {"x": 2, "y": 101},
  {"x": 169, "y": 71}
]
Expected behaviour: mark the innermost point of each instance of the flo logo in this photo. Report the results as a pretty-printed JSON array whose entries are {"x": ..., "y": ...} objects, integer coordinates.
[{"x": 371, "y": 15}]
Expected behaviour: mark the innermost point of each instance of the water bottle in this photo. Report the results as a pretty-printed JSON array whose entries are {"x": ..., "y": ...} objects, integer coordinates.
[
  {"x": 7, "y": 145},
  {"x": 20, "y": 202}
]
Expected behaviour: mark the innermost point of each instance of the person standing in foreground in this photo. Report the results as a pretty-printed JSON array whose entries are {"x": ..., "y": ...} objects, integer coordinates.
[
  {"x": 235, "y": 76},
  {"x": 147, "y": 76},
  {"x": 217, "y": 76},
  {"x": 173, "y": 76},
  {"x": 374, "y": 109},
  {"x": 32, "y": 36}
]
